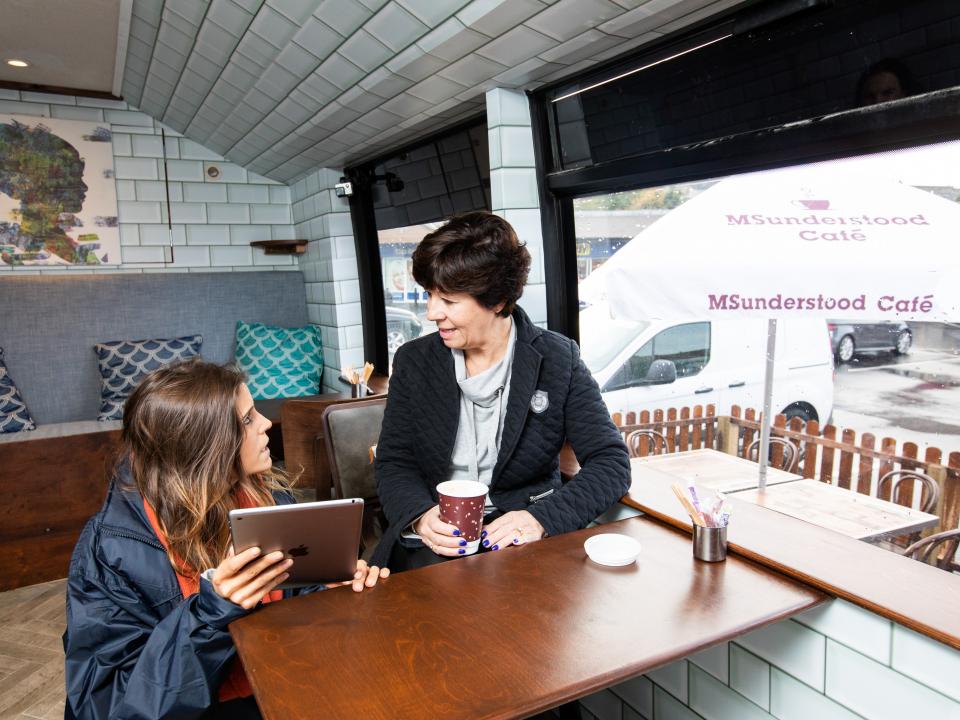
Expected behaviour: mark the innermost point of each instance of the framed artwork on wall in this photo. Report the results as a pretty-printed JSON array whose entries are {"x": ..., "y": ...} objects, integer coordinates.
[{"x": 58, "y": 198}]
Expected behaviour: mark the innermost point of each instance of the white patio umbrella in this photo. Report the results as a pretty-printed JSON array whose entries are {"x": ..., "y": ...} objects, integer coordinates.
[{"x": 819, "y": 241}]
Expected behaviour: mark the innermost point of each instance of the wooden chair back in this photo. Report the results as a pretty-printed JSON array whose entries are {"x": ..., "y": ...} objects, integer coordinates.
[
  {"x": 929, "y": 490},
  {"x": 636, "y": 442},
  {"x": 939, "y": 550},
  {"x": 789, "y": 462}
]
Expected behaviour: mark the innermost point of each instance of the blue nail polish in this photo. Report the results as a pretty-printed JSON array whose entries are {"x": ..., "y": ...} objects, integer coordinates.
[
  {"x": 486, "y": 543},
  {"x": 462, "y": 543},
  {"x": 483, "y": 534},
  {"x": 495, "y": 547},
  {"x": 456, "y": 533},
  {"x": 461, "y": 551}
]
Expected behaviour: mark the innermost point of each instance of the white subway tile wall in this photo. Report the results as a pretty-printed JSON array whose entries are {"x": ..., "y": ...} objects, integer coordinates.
[
  {"x": 790, "y": 699},
  {"x": 750, "y": 676},
  {"x": 233, "y": 208},
  {"x": 824, "y": 669},
  {"x": 673, "y": 679},
  {"x": 329, "y": 268},
  {"x": 513, "y": 186},
  {"x": 853, "y": 626},
  {"x": 715, "y": 660},
  {"x": 927, "y": 661},
  {"x": 637, "y": 694},
  {"x": 791, "y": 647}
]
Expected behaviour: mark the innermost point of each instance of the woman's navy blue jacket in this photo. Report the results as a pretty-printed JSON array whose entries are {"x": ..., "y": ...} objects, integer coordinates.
[{"x": 134, "y": 647}]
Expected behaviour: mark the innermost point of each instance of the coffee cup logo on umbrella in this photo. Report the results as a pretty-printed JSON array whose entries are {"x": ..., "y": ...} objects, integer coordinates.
[{"x": 812, "y": 204}]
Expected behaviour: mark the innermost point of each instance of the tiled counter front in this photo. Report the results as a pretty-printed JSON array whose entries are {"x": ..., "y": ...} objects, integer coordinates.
[{"x": 837, "y": 662}]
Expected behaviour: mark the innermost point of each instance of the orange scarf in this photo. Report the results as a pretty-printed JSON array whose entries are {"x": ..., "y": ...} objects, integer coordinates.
[{"x": 235, "y": 685}]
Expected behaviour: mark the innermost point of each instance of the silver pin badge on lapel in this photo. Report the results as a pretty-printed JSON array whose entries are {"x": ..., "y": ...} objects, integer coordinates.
[{"x": 539, "y": 402}]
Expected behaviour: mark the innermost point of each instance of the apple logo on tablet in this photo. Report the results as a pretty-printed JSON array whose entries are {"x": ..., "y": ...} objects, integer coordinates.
[{"x": 298, "y": 551}]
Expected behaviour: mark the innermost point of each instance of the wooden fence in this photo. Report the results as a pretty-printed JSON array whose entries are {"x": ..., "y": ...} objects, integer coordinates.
[
  {"x": 829, "y": 454},
  {"x": 685, "y": 429}
]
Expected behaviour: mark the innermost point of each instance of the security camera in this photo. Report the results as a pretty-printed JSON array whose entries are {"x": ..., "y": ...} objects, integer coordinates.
[{"x": 343, "y": 189}]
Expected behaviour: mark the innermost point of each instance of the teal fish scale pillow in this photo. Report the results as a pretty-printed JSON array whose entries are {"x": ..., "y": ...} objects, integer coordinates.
[
  {"x": 280, "y": 362},
  {"x": 14, "y": 415},
  {"x": 124, "y": 363}
]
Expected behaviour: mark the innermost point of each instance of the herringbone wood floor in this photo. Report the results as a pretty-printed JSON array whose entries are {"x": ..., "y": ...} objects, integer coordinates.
[{"x": 31, "y": 654}]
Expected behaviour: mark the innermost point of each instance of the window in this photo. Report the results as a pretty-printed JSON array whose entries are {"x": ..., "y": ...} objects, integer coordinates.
[
  {"x": 683, "y": 183},
  {"x": 410, "y": 193},
  {"x": 686, "y": 346}
]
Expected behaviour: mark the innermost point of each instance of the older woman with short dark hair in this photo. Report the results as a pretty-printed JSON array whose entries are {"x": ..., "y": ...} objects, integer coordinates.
[{"x": 489, "y": 397}]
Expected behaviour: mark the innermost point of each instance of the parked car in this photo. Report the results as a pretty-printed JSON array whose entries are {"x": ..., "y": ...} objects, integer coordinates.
[
  {"x": 849, "y": 337},
  {"x": 402, "y": 325},
  {"x": 662, "y": 364}
]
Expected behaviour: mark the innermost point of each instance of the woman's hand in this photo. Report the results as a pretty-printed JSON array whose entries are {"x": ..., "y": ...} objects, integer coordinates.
[
  {"x": 513, "y": 528},
  {"x": 443, "y": 538},
  {"x": 245, "y": 578},
  {"x": 365, "y": 576}
]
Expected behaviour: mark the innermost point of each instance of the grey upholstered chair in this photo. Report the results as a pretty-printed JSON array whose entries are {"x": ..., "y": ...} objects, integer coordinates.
[{"x": 351, "y": 429}]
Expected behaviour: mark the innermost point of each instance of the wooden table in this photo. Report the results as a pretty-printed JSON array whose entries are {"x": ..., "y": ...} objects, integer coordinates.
[
  {"x": 711, "y": 469},
  {"x": 844, "y": 511},
  {"x": 505, "y": 634}
]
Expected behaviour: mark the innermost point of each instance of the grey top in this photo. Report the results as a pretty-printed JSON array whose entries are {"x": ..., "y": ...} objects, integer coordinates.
[{"x": 482, "y": 400}]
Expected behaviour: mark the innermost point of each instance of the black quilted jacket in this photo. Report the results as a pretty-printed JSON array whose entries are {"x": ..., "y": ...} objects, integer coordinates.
[{"x": 420, "y": 427}]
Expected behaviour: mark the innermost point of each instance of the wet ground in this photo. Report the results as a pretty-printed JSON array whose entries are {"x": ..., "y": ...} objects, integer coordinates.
[{"x": 912, "y": 398}]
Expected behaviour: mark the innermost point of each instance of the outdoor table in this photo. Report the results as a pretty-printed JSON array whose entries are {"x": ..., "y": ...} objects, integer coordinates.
[
  {"x": 711, "y": 469},
  {"x": 844, "y": 511},
  {"x": 504, "y": 634}
]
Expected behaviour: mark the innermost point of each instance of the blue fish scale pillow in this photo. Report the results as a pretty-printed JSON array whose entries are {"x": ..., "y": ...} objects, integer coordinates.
[
  {"x": 124, "y": 363},
  {"x": 14, "y": 415},
  {"x": 280, "y": 362}
]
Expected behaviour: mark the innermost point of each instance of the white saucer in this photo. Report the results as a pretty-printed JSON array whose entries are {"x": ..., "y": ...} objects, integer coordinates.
[{"x": 612, "y": 549}]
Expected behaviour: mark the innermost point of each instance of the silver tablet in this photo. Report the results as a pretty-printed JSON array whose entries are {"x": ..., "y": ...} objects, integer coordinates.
[{"x": 323, "y": 538}]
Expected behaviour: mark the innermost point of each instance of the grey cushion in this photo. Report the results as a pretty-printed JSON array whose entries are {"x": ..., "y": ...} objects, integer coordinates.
[{"x": 50, "y": 322}]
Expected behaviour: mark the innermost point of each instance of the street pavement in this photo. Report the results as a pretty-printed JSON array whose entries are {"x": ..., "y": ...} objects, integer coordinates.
[{"x": 914, "y": 398}]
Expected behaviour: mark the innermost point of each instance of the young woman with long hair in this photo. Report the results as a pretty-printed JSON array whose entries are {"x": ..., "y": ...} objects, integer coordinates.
[{"x": 154, "y": 582}]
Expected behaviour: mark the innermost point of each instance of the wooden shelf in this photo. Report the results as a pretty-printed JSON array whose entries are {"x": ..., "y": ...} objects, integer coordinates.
[{"x": 281, "y": 247}]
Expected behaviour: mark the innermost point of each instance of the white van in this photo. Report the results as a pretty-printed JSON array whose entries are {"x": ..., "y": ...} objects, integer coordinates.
[{"x": 662, "y": 364}]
